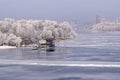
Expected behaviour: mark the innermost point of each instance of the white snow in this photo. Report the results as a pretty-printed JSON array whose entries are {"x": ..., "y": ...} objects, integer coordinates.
[{"x": 7, "y": 47}]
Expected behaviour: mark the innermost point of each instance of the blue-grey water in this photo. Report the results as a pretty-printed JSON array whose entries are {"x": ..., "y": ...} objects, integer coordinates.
[{"x": 89, "y": 46}]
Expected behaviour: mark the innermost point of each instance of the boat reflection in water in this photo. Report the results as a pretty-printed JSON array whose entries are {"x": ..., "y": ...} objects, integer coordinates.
[{"x": 27, "y": 53}]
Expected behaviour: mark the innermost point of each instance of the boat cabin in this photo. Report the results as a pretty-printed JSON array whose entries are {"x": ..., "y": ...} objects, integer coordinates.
[{"x": 47, "y": 44}]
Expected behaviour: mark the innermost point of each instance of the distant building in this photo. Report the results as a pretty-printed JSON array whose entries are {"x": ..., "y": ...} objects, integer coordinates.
[
  {"x": 99, "y": 19},
  {"x": 118, "y": 20}
]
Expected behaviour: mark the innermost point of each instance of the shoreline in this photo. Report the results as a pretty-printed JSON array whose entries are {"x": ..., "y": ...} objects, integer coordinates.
[{"x": 7, "y": 47}]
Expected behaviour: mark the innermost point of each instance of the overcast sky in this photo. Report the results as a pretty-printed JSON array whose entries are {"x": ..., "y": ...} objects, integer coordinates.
[{"x": 83, "y": 11}]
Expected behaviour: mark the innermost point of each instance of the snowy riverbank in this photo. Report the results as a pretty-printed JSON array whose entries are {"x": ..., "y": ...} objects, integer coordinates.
[{"x": 7, "y": 47}]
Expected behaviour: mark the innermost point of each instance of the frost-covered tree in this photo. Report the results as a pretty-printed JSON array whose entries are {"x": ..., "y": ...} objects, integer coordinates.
[
  {"x": 46, "y": 34},
  {"x": 12, "y": 39},
  {"x": 1, "y": 39},
  {"x": 30, "y": 31},
  {"x": 6, "y": 25},
  {"x": 106, "y": 26}
]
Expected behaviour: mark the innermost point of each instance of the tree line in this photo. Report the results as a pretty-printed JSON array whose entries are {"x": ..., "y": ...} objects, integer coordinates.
[{"x": 14, "y": 32}]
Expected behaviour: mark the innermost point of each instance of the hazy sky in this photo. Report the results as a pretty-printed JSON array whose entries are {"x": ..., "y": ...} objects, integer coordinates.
[{"x": 83, "y": 11}]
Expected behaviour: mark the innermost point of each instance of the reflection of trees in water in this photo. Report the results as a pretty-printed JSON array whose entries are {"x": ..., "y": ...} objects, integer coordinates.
[
  {"x": 18, "y": 53},
  {"x": 59, "y": 53},
  {"x": 64, "y": 50},
  {"x": 21, "y": 53}
]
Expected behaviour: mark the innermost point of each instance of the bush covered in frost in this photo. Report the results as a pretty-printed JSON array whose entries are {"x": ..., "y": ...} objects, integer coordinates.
[
  {"x": 106, "y": 26},
  {"x": 29, "y": 31}
]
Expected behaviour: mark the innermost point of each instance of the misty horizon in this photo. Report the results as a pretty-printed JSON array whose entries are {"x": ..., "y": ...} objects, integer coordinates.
[{"x": 79, "y": 11}]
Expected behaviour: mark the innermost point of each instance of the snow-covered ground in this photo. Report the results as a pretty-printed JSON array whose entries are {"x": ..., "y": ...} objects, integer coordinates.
[{"x": 7, "y": 47}]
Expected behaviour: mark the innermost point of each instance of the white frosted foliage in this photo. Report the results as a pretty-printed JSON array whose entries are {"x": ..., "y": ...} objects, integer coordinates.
[
  {"x": 14, "y": 31},
  {"x": 106, "y": 26}
]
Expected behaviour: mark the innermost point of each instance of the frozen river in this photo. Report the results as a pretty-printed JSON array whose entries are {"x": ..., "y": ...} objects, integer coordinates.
[{"x": 91, "y": 56}]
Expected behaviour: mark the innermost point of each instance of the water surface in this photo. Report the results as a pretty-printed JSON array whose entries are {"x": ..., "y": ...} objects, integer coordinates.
[{"x": 89, "y": 46}]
